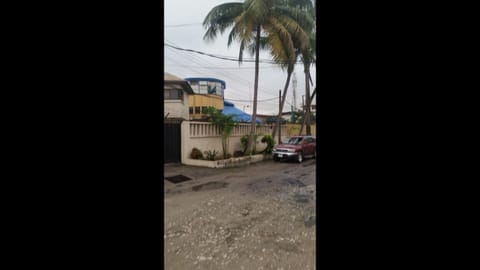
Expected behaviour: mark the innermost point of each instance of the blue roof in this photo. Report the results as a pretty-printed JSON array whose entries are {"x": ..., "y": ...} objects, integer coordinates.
[{"x": 239, "y": 115}]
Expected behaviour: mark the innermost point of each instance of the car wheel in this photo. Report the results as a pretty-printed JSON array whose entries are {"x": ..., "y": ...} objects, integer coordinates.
[{"x": 300, "y": 157}]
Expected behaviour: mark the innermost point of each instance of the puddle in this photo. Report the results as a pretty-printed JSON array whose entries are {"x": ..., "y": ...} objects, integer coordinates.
[
  {"x": 210, "y": 186},
  {"x": 293, "y": 182},
  {"x": 301, "y": 198},
  {"x": 177, "y": 178}
]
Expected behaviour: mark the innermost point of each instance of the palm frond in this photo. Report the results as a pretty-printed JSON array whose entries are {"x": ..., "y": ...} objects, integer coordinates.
[
  {"x": 264, "y": 45},
  {"x": 299, "y": 35},
  {"x": 220, "y": 18},
  {"x": 259, "y": 10},
  {"x": 240, "y": 55},
  {"x": 280, "y": 43},
  {"x": 302, "y": 17}
]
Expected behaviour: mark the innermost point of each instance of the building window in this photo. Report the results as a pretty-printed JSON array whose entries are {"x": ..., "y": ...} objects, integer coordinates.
[
  {"x": 173, "y": 94},
  {"x": 197, "y": 110},
  {"x": 204, "y": 109},
  {"x": 219, "y": 89},
  {"x": 212, "y": 88},
  {"x": 194, "y": 86},
  {"x": 190, "y": 110},
  {"x": 203, "y": 87}
]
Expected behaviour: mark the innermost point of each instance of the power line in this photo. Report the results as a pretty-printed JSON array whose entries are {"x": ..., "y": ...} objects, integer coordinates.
[
  {"x": 194, "y": 59},
  {"x": 221, "y": 72},
  {"x": 229, "y": 58},
  {"x": 181, "y": 25},
  {"x": 231, "y": 76},
  {"x": 236, "y": 93},
  {"x": 250, "y": 100},
  {"x": 224, "y": 67}
]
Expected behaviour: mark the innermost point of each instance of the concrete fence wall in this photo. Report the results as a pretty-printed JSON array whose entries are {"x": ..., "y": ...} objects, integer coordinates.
[
  {"x": 206, "y": 137},
  {"x": 294, "y": 129}
]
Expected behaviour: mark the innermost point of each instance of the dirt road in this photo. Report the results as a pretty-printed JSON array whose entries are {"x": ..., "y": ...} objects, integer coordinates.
[{"x": 257, "y": 217}]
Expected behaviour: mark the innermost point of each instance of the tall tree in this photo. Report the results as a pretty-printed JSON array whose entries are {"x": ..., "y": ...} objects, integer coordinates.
[
  {"x": 225, "y": 124},
  {"x": 248, "y": 20},
  {"x": 308, "y": 58},
  {"x": 301, "y": 11}
]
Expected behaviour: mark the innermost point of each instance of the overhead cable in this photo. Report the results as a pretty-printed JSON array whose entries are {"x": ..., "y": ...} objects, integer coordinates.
[{"x": 223, "y": 57}]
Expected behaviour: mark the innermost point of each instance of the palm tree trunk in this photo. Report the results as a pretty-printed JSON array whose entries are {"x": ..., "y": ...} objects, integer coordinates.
[
  {"x": 303, "y": 124},
  {"x": 255, "y": 89},
  {"x": 307, "y": 94},
  {"x": 289, "y": 75},
  {"x": 303, "y": 120}
]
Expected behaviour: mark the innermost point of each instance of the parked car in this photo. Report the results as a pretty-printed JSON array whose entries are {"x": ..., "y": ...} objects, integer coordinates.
[{"x": 296, "y": 148}]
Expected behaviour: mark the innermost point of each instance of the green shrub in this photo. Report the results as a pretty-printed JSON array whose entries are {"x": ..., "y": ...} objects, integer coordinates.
[
  {"x": 210, "y": 155},
  {"x": 244, "y": 142},
  {"x": 238, "y": 153},
  {"x": 268, "y": 139},
  {"x": 196, "y": 154}
]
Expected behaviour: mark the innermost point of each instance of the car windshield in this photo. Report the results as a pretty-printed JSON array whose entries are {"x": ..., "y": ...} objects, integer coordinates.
[{"x": 295, "y": 140}]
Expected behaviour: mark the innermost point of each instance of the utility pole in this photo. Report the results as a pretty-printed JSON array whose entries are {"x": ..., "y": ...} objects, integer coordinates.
[
  {"x": 279, "y": 109},
  {"x": 303, "y": 110},
  {"x": 304, "y": 118},
  {"x": 294, "y": 86},
  {"x": 303, "y": 103}
]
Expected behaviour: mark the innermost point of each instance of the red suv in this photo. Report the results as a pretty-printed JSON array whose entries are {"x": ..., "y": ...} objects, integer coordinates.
[{"x": 297, "y": 148}]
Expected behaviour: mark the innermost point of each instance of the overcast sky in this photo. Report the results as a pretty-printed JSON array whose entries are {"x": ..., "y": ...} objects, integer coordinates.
[{"x": 183, "y": 28}]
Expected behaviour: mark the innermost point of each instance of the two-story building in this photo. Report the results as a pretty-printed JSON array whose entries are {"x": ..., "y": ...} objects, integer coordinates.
[
  {"x": 209, "y": 92},
  {"x": 176, "y": 93},
  {"x": 176, "y": 97}
]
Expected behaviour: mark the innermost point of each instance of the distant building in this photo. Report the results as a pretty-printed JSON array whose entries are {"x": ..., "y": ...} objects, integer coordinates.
[
  {"x": 313, "y": 107},
  {"x": 209, "y": 92},
  {"x": 268, "y": 117}
]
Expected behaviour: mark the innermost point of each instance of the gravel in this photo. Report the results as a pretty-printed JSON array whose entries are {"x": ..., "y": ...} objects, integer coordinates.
[{"x": 270, "y": 226}]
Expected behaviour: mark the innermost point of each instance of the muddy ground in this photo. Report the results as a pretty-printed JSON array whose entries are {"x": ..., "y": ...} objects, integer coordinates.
[{"x": 261, "y": 216}]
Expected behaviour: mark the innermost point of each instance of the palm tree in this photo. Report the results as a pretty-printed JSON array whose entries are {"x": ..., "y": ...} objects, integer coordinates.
[
  {"x": 302, "y": 12},
  {"x": 248, "y": 20},
  {"x": 225, "y": 124},
  {"x": 308, "y": 58}
]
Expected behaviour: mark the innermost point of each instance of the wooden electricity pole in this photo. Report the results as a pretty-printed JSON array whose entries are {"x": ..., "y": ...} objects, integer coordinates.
[
  {"x": 279, "y": 116},
  {"x": 304, "y": 118},
  {"x": 303, "y": 110}
]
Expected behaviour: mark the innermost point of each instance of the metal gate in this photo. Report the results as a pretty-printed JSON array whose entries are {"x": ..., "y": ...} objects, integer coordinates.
[{"x": 171, "y": 142}]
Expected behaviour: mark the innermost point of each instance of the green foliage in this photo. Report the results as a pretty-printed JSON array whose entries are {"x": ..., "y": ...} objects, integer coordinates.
[
  {"x": 299, "y": 116},
  {"x": 225, "y": 124},
  {"x": 238, "y": 153},
  {"x": 273, "y": 120},
  {"x": 268, "y": 139},
  {"x": 286, "y": 26},
  {"x": 244, "y": 142},
  {"x": 196, "y": 154},
  {"x": 210, "y": 112},
  {"x": 210, "y": 155}
]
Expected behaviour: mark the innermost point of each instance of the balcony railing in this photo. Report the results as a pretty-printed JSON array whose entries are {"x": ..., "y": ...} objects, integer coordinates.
[{"x": 204, "y": 129}]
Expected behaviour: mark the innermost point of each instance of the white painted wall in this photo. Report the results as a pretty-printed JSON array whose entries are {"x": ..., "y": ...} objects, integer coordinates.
[
  {"x": 177, "y": 108},
  {"x": 204, "y": 137}
]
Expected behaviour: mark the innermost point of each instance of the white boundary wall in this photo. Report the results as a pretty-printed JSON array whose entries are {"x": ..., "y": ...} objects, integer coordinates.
[{"x": 205, "y": 136}]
